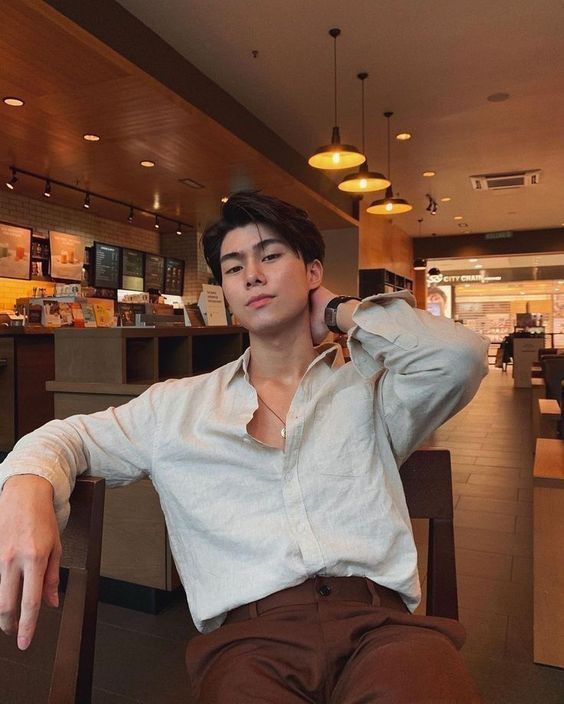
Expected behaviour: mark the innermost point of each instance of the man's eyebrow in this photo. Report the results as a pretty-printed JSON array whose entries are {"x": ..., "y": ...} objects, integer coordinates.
[{"x": 259, "y": 245}]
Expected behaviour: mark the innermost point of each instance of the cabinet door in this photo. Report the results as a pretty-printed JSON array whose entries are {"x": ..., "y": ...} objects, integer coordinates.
[{"x": 7, "y": 399}]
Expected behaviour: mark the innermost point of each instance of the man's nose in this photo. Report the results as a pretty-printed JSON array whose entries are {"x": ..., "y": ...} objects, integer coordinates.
[{"x": 254, "y": 273}]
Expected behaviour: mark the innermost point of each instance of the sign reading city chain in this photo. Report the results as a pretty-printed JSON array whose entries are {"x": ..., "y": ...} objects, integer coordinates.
[
  {"x": 485, "y": 276},
  {"x": 479, "y": 278}
]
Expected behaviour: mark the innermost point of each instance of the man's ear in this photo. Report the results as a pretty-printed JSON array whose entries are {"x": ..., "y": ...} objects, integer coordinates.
[{"x": 314, "y": 274}]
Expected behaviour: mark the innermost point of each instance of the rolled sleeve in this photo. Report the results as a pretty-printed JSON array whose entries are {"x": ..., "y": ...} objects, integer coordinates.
[
  {"x": 116, "y": 444},
  {"x": 430, "y": 367}
]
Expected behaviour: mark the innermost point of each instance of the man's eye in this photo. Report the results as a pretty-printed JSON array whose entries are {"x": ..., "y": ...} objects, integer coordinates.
[
  {"x": 233, "y": 269},
  {"x": 269, "y": 257}
]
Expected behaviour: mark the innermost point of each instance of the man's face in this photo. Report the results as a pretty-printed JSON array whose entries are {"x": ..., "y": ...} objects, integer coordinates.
[{"x": 265, "y": 282}]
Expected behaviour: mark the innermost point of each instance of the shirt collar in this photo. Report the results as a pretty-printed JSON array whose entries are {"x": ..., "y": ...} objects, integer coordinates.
[{"x": 330, "y": 352}]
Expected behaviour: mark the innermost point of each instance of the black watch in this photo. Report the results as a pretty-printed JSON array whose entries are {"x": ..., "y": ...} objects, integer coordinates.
[{"x": 331, "y": 312}]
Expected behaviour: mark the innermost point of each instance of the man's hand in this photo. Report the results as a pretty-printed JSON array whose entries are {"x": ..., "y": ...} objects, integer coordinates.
[
  {"x": 30, "y": 553},
  {"x": 319, "y": 298}
]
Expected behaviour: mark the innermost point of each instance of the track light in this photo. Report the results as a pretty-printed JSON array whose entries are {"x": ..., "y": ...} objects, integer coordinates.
[
  {"x": 432, "y": 205},
  {"x": 17, "y": 173},
  {"x": 434, "y": 271},
  {"x": 420, "y": 264},
  {"x": 12, "y": 182}
]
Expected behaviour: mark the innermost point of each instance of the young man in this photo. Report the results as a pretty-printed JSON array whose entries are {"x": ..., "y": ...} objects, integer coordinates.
[{"x": 278, "y": 478}]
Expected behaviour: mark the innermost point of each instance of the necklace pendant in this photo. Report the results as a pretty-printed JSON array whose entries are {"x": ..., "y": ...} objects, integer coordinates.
[{"x": 283, "y": 432}]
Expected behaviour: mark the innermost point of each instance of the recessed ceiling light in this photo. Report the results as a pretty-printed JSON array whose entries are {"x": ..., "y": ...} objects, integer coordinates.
[
  {"x": 458, "y": 217},
  {"x": 522, "y": 293},
  {"x": 91, "y": 137},
  {"x": 147, "y": 164},
  {"x": 462, "y": 224},
  {"x": 403, "y": 136},
  {"x": 472, "y": 260},
  {"x": 224, "y": 199},
  {"x": 428, "y": 174},
  {"x": 446, "y": 199},
  {"x": 561, "y": 282},
  {"x": 498, "y": 97},
  {"x": 477, "y": 266},
  {"x": 13, "y": 102},
  {"x": 466, "y": 285}
]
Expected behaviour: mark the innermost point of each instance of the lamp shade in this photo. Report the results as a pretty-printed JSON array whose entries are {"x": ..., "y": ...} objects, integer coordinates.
[
  {"x": 364, "y": 181},
  {"x": 389, "y": 205},
  {"x": 336, "y": 156}
]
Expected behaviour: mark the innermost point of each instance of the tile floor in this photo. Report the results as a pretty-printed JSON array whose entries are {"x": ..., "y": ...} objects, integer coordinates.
[{"x": 140, "y": 658}]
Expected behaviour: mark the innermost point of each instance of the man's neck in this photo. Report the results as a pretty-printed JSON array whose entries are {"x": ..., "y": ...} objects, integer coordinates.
[{"x": 283, "y": 358}]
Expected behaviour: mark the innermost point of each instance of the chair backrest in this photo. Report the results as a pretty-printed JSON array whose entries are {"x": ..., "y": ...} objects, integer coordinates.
[
  {"x": 71, "y": 679},
  {"x": 547, "y": 350},
  {"x": 553, "y": 372},
  {"x": 427, "y": 484}
]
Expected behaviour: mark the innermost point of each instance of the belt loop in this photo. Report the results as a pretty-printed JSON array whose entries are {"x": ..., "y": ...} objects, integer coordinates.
[
  {"x": 253, "y": 609},
  {"x": 372, "y": 589}
]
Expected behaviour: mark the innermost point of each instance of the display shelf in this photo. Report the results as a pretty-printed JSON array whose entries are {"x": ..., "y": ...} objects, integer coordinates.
[{"x": 372, "y": 281}]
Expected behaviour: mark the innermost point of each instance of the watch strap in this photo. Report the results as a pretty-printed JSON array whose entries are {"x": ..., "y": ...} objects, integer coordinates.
[{"x": 331, "y": 312}]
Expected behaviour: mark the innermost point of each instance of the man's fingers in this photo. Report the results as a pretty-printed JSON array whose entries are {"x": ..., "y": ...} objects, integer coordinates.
[
  {"x": 31, "y": 602},
  {"x": 10, "y": 582},
  {"x": 51, "y": 580}
]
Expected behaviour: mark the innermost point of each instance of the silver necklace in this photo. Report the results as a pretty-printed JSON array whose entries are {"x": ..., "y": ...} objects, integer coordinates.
[{"x": 283, "y": 431}]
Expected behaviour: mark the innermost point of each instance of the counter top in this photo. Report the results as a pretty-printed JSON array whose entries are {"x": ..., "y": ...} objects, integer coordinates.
[{"x": 25, "y": 330}]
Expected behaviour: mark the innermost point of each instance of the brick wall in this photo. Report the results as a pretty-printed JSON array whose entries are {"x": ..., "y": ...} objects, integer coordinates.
[{"x": 43, "y": 216}]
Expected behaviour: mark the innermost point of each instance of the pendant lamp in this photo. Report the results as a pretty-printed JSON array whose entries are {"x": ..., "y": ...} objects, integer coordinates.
[
  {"x": 336, "y": 155},
  {"x": 364, "y": 180},
  {"x": 389, "y": 205}
]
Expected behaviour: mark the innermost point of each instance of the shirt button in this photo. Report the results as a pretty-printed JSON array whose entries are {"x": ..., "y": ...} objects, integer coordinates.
[{"x": 325, "y": 590}]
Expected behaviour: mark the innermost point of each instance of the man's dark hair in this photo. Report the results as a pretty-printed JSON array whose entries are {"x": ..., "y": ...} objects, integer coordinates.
[{"x": 287, "y": 221}]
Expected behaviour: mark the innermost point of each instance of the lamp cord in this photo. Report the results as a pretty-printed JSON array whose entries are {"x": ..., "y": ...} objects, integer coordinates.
[
  {"x": 335, "y": 76},
  {"x": 389, "y": 169},
  {"x": 362, "y": 123}
]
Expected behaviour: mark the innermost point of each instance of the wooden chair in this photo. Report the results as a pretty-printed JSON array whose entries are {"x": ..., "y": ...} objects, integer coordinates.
[
  {"x": 427, "y": 484},
  {"x": 71, "y": 679}
]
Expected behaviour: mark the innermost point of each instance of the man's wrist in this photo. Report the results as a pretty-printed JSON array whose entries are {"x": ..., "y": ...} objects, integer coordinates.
[
  {"x": 338, "y": 315},
  {"x": 27, "y": 481},
  {"x": 345, "y": 315}
]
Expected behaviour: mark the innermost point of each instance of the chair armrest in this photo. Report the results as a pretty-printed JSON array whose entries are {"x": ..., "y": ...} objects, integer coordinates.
[{"x": 67, "y": 656}]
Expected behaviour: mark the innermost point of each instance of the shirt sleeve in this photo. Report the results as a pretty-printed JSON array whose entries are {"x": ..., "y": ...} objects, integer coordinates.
[
  {"x": 429, "y": 366},
  {"x": 116, "y": 444}
]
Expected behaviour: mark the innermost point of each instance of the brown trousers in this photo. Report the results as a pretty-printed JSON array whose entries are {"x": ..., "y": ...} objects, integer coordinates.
[{"x": 330, "y": 640}]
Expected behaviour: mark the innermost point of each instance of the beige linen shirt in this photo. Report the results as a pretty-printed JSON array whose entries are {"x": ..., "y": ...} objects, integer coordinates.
[{"x": 246, "y": 519}]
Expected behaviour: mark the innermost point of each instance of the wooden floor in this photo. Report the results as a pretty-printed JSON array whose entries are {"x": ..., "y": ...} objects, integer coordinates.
[{"x": 140, "y": 658}]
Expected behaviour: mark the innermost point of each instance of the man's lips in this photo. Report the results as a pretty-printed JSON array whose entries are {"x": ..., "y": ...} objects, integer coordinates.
[{"x": 257, "y": 301}]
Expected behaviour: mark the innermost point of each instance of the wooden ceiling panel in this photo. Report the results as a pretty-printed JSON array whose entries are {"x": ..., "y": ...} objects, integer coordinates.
[{"x": 73, "y": 85}]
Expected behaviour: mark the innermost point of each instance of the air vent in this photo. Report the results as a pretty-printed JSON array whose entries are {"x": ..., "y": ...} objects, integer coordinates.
[
  {"x": 497, "y": 182},
  {"x": 190, "y": 183}
]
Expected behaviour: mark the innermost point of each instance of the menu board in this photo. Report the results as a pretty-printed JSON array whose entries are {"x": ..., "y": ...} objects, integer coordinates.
[
  {"x": 154, "y": 271},
  {"x": 67, "y": 256},
  {"x": 174, "y": 276},
  {"x": 132, "y": 270},
  {"x": 106, "y": 265},
  {"x": 15, "y": 252}
]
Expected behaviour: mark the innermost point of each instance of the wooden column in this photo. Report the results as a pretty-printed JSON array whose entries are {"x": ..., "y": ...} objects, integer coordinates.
[{"x": 421, "y": 288}]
